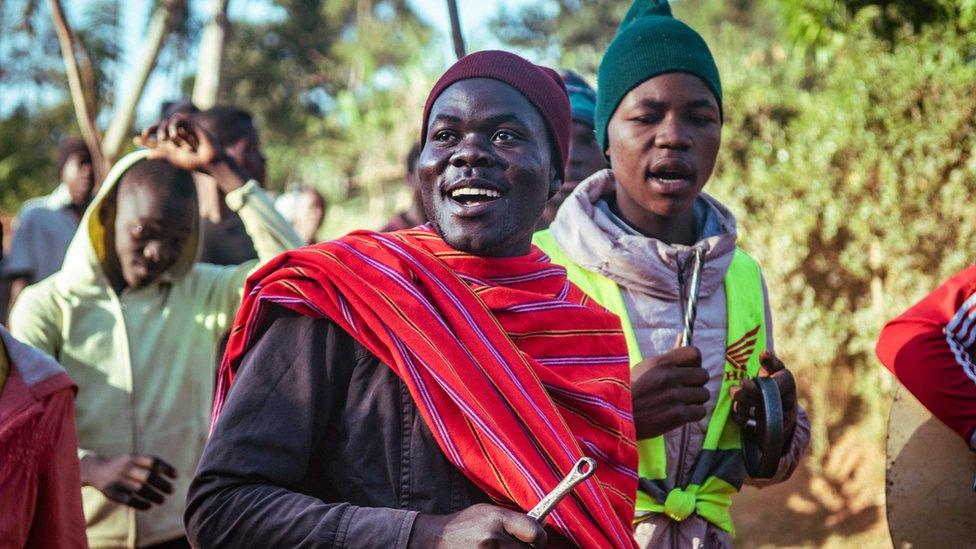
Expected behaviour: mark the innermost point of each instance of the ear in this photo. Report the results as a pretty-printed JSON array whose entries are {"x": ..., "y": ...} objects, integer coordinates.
[{"x": 554, "y": 181}]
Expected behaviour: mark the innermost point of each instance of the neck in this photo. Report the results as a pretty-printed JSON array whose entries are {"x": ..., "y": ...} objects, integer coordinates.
[{"x": 670, "y": 229}]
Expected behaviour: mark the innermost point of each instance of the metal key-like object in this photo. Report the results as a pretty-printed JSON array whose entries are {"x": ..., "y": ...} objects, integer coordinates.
[
  {"x": 691, "y": 306},
  {"x": 583, "y": 470}
]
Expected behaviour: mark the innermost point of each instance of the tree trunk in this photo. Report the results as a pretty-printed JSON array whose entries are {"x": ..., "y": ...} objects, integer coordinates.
[
  {"x": 121, "y": 125},
  {"x": 206, "y": 86},
  {"x": 82, "y": 99},
  {"x": 456, "y": 35}
]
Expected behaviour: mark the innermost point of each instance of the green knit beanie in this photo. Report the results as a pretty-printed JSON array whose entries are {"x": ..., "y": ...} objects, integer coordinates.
[{"x": 649, "y": 42}]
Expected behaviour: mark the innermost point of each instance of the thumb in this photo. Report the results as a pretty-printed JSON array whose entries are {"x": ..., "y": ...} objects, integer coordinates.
[
  {"x": 677, "y": 342},
  {"x": 769, "y": 363}
]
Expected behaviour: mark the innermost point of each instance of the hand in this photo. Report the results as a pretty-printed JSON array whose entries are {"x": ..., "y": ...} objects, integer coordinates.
[
  {"x": 668, "y": 391},
  {"x": 481, "y": 525},
  {"x": 187, "y": 145},
  {"x": 747, "y": 400},
  {"x": 138, "y": 481}
]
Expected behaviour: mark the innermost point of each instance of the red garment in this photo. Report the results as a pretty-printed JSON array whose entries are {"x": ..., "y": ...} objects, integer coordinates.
[
  {"x": 40, "y": 484},
  {"x": 516, "y": 372},
  {"x": 930, "y": 350}
]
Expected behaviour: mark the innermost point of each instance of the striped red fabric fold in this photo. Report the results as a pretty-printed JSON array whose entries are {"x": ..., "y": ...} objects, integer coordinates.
[{"x": 517, "y": 373}]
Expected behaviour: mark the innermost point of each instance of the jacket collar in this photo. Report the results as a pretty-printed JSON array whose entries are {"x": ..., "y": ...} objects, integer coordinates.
[{"x": 596, "y": 241}]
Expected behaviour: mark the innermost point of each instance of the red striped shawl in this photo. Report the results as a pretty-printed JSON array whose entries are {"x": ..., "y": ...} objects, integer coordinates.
[{"x": 516, "y": 372}]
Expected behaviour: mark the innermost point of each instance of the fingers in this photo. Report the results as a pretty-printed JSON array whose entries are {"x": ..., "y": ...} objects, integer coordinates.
[
  {"x": 692, "y": 395},
  {"x": 162, "y": 467},
  {"x": 683, "y": 357},
  {"x": 691, "y": 376},
  {"x": 524, "y": 528}
]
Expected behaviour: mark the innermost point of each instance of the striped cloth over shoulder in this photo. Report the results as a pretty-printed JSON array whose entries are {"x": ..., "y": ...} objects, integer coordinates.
[{"x": 517, "y": 373}]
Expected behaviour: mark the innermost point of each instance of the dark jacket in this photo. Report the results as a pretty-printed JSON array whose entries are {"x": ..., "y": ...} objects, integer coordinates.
[{"x": 318, "y": 444}]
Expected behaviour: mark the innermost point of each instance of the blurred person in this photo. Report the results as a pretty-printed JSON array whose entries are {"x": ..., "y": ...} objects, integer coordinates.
[
  {"x": 415, "y": 215},
  {"x": 304, "y": 207},
  {"x": 930, "y": 349},
  {"x": 135, "y": 321},
  {"x": 40, "y": 500},
  {"x": 585, "y": 156},
  {"x": 627, "y": 236},
  {"x": 46, "y": 224},
  {"x": 225, "y": 240},
  {"x": 416, "y": 388}
]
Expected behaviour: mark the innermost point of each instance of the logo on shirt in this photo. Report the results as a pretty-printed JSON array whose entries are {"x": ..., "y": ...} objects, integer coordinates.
[{"x": 738, "y": 353}]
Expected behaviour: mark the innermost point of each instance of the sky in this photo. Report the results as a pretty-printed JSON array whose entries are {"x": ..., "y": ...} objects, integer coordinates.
[{"x": 136, "y": 13}]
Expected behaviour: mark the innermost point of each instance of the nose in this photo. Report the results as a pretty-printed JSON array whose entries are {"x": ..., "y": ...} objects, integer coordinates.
[
  {"x": 153, "y": 251},
  {"x": 672, "y": 133},
  {"x": 472, "y": 152}
]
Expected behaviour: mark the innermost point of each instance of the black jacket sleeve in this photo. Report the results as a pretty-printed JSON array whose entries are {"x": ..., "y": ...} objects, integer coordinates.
[{"x": 248, "y": 488}]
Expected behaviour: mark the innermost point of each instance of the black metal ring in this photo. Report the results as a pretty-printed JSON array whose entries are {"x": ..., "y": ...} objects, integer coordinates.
[{"x": 762, "y": 456}]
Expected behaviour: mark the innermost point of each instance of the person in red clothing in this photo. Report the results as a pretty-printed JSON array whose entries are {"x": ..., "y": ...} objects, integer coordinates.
[{"x": 930, "y": 349}]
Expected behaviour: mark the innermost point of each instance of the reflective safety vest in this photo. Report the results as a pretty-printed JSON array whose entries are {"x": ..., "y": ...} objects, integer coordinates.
[{"x": 719, "y": 470}]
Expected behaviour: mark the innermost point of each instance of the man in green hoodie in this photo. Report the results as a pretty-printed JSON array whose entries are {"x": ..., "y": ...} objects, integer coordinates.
[{"x": 135, "y": 322}]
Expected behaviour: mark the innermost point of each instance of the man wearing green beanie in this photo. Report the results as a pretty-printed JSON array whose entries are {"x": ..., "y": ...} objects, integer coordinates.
[{"x": 629, "y": 237}]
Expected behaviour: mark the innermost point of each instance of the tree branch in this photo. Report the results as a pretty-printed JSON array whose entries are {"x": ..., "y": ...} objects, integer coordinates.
[
  {"x": 206, "y": 86},
  {"x": 456, "y": 35},
  {"x": 121, "y": 125},
  {"x": 82, "y": 99}
]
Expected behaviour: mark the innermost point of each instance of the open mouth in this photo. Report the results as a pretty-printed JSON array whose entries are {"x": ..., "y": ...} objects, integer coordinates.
[
  {"x": 471, "y": 194},
  {"x": 671, "y": 174}
]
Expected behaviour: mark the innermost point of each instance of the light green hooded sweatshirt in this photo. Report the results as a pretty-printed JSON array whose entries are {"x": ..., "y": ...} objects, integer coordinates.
[{"x": 143, "y": 359}]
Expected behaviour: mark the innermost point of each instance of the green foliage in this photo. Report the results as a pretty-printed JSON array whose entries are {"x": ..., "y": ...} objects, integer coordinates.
[
  {"x": 28, "y": 145},
  {"x": 337, "y": 88},
  {"x": 565, "y": 33}
]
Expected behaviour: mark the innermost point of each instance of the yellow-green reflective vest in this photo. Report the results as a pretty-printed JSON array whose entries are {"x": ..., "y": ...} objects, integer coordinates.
[{"x": 719, "y": 470}]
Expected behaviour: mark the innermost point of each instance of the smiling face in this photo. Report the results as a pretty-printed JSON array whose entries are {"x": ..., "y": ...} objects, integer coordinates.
[
  {"x": 487, "y": 168},
  {"x": 152, "y": 227},
  {"x": 662, "y": 141}
]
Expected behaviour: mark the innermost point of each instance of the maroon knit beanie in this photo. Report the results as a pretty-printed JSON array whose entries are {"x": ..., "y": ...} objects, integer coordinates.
[{"x": 542, "y": 86}]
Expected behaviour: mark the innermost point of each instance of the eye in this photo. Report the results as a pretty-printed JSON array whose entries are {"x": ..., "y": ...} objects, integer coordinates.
[
  {"x": 648, "y": 118},
  {"x": 702, "y": 119},
  {"x": 504, "y": 135},
  {"x": 444, "y": 136}
]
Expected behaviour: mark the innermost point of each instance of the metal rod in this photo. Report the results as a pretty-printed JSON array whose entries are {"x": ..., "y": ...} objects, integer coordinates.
[
  {"x": 583, "y": 470},
  {"x": 691, "y": 306}
]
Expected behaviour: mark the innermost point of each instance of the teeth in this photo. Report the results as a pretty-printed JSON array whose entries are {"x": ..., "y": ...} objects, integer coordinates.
[{"x": 473, "y": 191}]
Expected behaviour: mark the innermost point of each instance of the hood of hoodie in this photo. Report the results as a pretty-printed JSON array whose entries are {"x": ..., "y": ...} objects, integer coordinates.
[
  {"x": 83, "y": 270},
  {"x": 596, "y": 242}
]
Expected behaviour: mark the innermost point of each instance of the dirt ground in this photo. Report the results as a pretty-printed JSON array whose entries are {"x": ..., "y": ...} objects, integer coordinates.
[{"x": 843, "y": 506}]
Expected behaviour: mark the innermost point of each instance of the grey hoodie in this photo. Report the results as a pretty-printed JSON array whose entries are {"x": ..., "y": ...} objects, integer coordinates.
[{"x": 646, "y": 270}]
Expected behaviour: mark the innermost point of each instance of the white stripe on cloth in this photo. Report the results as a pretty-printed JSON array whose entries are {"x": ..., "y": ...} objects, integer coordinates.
[{"x": 960, "y": 335}]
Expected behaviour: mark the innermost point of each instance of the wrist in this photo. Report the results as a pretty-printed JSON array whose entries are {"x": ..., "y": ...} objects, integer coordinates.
[
  {"x": 228, "y": 174},
  {"x": 88, "y": 464},
  {"x": 425, "y": 530}
]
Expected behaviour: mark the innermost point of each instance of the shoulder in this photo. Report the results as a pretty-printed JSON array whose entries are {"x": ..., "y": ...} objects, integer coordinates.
[{"x": 36, "y": 304}]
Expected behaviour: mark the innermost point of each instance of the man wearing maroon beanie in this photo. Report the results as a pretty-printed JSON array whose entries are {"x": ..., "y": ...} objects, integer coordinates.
[{"x": 428, "y": 387}]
